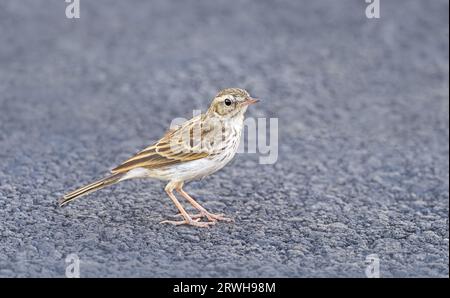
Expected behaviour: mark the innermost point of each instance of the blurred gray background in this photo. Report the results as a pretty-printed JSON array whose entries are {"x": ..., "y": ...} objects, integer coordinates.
[{"x": 363, "y": 112}]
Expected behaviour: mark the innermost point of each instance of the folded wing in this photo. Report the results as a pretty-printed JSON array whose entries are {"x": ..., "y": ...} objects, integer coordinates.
[{"x": 177, "y": 146}]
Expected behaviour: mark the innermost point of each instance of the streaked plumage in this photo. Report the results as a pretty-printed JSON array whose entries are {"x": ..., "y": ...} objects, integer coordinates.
[{"x": 195, "y": 149}]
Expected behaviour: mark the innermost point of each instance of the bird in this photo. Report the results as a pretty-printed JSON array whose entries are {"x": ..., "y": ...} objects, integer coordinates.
[{"x": 190, "y": 151}]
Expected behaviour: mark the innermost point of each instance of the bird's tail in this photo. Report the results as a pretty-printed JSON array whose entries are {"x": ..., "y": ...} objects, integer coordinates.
[{"x": 114, "y": 178}]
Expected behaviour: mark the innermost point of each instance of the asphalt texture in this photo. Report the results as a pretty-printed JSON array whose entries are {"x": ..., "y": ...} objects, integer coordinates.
[{"x": 363, "y": 163}]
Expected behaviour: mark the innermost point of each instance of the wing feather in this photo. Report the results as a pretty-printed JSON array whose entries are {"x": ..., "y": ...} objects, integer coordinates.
[{"x": 176, "y": 146}]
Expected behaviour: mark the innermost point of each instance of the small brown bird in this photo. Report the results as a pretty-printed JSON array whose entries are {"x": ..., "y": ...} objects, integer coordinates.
[{"x": 193, "y": 150}]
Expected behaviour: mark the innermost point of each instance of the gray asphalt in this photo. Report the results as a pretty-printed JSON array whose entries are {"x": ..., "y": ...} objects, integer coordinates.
[{"x": 363, "y": 113}]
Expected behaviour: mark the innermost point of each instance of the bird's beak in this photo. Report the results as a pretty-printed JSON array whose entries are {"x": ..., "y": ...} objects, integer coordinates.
[{"x": 250, "y": 101}]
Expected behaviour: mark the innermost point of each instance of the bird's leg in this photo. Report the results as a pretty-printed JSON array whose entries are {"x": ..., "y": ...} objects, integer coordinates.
[
  {"x": 203, "y": 212},
  {"x": 187, "y": 218}
]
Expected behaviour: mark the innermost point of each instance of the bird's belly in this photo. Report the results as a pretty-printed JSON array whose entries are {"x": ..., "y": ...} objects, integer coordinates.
[{"x": 187, "y": 171}]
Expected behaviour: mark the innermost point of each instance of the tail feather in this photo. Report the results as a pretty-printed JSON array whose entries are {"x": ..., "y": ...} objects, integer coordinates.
[{"x": 90, "y": 188}]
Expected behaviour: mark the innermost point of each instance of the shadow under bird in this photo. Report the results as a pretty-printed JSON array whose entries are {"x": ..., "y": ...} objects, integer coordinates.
[{"x": 193, "y": 150}]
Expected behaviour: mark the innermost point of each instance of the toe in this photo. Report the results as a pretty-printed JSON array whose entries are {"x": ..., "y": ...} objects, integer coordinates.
[
  {"x": 172, "y": 222},
  {"x": 219, "y": 217},
  {"x": 202, "y": 224}
]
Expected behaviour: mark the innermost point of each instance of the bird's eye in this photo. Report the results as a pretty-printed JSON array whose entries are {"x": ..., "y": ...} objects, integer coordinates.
[{"x": 227, "y": 102}]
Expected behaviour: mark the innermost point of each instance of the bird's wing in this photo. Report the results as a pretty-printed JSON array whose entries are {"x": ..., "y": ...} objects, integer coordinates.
[{"x": 176, "y": 146}]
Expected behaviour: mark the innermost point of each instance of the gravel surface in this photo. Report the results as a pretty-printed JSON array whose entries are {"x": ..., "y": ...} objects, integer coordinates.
[{"x": 363, "y": 111}]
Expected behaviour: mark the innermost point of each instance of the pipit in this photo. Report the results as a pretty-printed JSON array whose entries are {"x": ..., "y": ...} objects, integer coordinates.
[{"x": 193, "y": 150}]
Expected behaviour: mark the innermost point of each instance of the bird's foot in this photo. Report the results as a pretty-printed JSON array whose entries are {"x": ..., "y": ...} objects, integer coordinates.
[
  {"x": 210, "y": 216},
  {"x": 192, "y": 222}
]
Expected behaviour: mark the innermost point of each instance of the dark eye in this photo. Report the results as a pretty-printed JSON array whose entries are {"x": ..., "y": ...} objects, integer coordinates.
[{"x": 227, "y": 102}]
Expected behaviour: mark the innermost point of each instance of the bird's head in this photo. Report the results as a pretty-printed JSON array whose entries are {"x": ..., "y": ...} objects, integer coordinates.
[{"x": 231, "y": 102}]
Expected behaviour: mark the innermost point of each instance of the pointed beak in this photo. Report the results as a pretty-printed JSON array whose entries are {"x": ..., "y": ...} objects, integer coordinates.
[{"x": 250, "y": 101}]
